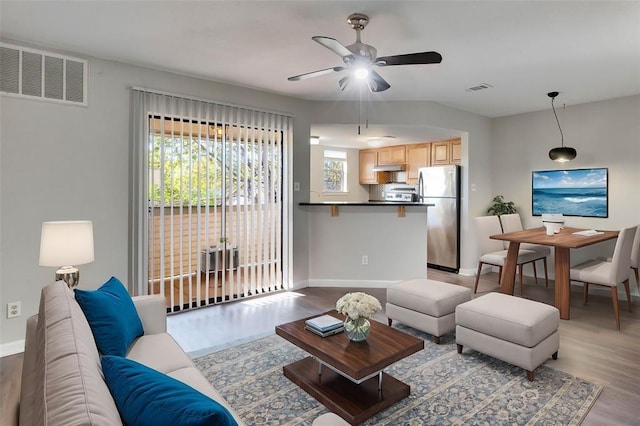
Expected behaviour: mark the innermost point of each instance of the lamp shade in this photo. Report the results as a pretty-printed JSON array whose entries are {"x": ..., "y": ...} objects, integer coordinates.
[
  {"x": 66, "y": 243},
  {"x": 562, "y": 154}
]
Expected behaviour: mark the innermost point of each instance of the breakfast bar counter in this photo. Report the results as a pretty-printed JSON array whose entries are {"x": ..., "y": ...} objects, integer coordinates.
[
  {"x": 367, "y": 203},
  {"x": 399, "y": 204}
]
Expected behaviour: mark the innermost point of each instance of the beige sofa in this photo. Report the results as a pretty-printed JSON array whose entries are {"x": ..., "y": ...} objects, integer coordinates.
[{"x": 62, "y": 381}]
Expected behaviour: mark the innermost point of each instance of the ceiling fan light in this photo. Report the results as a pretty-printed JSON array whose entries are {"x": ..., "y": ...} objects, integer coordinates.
[
  {"x": 361, "y": 73},
  {"x": 562, "y": 154}
]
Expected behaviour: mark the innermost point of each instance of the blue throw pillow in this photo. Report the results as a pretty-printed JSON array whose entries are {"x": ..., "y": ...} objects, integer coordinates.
[
  {"x": 145, "y": 396},
  {"x": 112, "y": 316}
]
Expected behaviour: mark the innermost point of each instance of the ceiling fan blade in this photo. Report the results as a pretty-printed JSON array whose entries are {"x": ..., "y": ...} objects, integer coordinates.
[
  {"x": 344, "y": 82},
  {"x": 333, "y": 44},
  {"x": 315, "y": 73},
  {"x": 410, "y": 59},
  {"x": 376, "y": 82}
]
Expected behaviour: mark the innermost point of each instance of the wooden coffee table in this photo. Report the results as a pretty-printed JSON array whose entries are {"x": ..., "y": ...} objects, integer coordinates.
[{"x": 353, "y": 384}]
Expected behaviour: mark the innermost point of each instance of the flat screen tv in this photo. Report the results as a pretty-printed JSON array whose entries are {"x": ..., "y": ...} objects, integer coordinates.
[{"x": 576, "y": 192}]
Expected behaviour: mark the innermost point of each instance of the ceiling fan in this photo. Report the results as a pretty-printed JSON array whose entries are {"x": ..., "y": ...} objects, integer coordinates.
[{"x": 361, "y": 58}]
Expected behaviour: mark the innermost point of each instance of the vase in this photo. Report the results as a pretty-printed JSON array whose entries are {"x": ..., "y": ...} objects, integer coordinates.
[{"x": 357, "y": 330}]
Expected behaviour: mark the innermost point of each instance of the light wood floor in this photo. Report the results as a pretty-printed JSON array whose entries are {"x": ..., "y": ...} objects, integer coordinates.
[{"x": 590, "y": 346}]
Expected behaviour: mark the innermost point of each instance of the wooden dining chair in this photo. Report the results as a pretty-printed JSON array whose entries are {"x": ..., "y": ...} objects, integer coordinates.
[
  {"x": 635, "y": 256},
  {"x": 492, "y": 252},
  {"x": 512, "y": 223},
  {"x": 609, "y": 273}
]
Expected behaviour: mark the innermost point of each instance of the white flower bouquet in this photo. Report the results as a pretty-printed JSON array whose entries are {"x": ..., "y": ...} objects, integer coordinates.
[{"x": 356, "y": 305}]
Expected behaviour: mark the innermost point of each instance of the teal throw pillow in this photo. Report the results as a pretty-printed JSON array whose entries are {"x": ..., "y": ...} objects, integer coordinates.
[
  {"x": 112, "y": 317},
  {"x": 145, "y": 396}
]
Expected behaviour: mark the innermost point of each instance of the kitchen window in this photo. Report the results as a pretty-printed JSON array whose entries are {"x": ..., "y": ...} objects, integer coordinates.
[{"x": 335, "y": 171}]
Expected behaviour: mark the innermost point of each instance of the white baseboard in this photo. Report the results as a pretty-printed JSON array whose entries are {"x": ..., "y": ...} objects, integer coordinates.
[
  {"x": 299, "y": 285},
  {"x": 351, "y": 283},
  {"x": 467, "y": 272},
  {"x": 11, "y": 348}
]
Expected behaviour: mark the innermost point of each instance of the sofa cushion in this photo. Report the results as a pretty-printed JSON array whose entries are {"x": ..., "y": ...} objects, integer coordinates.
[
  {"x": 70, "y": 387},
  {"x": 112, "y": 316},
  {"x": 145, "y": 396}
]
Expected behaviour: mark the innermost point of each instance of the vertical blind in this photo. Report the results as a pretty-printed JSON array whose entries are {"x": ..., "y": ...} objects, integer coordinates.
[{"x": 208, "y": 200}]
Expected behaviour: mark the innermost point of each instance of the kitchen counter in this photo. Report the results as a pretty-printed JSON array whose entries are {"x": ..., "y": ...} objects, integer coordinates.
[{"x": 399, "y": 204}]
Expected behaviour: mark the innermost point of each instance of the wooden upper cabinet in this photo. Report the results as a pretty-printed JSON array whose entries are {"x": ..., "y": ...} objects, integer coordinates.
[
  {"x": 418, "y": 155},
  {"x": 440, "y": 153},
  {"x": 392, "y": 155},
  {"x": 456, "y": 151},
  {"x": 369, "y": 159}
]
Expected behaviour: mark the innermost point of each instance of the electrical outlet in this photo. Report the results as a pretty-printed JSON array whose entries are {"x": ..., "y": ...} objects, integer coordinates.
[
  {"x": 365, "y": 260},
  {"x": 13, "y": 310}
]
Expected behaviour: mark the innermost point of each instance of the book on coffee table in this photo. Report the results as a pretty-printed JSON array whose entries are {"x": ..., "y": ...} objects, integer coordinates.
[
  {"x": 324, "y": 323},
  {"x": 325, "y": 333}
]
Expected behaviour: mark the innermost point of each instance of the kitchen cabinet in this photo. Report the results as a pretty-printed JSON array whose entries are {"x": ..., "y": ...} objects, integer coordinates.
[
  {"x": 369, "y": 159},
  {"x": 456, "y": 151},
  {"x": 440, "y": 153},
  {"x": 392, "y": 155},
  {"x": 418, "y": 155}
]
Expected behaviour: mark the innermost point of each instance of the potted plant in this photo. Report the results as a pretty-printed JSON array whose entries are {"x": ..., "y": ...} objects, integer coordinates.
[{"x": 499, "y": 206}]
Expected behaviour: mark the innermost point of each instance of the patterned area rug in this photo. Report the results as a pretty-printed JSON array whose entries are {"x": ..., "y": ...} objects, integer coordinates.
[{"x": 446, "y": 388}]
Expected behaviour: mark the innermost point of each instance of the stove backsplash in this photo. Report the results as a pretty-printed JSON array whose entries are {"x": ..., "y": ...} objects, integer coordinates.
[{"x": 377, "y": 192}]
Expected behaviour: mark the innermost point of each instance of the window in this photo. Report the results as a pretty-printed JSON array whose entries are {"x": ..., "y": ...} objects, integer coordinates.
[{"x": 335, "y": 171}]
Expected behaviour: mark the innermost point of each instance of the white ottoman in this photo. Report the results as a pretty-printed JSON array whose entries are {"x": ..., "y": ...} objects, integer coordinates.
[
  {"x": 426, "y": 305},
  {"x": 518, "y": 331}
]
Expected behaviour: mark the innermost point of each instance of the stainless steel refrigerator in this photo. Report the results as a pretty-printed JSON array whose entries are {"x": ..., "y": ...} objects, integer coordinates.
[{"x": 440, "y": 185}]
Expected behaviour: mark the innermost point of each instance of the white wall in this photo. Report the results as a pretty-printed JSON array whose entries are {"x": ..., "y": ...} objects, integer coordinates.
[
  {"x": 605, "y": 134},
  {"x": 63, "y": 162},
  {"x": 355, "y": 191}
]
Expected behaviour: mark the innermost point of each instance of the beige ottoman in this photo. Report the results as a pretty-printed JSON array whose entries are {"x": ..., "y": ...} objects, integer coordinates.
[
  {"x": 518, "y": 331},
  {"x": 426, "y": 305}
]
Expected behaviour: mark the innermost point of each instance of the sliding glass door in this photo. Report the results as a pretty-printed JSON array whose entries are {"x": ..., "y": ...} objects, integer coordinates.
[{"x": 215, "y": 205}]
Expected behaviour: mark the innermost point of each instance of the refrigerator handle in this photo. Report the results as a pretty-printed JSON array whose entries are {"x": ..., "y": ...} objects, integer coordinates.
[{"x": 420, "y": 191}]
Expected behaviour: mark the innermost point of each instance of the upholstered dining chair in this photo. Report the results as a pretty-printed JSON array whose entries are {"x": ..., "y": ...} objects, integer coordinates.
[
  {"x": 512, "y": 223},
  {"x": 609, "y": 273},
  {"x": 492, "y": 252},
  {"x": 635, "y": 256}
]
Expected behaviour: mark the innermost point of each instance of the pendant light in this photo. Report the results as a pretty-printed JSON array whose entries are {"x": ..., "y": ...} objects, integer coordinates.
[{"x": 561, "y": 154}]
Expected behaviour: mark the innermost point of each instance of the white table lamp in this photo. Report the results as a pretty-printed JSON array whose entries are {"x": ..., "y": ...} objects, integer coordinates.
[{"x": 67, "y": 243}]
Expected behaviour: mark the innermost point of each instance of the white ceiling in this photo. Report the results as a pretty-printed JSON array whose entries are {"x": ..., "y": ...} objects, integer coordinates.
[{"x": 586, "y": 50}]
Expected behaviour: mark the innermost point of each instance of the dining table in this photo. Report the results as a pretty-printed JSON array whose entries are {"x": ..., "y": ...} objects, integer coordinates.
[{"x": 563, "y": 241}]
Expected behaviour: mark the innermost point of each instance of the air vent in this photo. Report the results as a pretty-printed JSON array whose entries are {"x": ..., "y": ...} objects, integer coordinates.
[
  {"x": 31, "y": 73},
  {"x": 480, "y": 86}
]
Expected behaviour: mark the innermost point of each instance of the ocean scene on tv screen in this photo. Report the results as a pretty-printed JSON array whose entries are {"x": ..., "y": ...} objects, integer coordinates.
[{"x": 580, "y": 192}]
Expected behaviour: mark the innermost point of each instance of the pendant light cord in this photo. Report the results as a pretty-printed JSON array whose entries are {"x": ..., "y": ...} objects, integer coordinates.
[{"x": 557, "y": 121}]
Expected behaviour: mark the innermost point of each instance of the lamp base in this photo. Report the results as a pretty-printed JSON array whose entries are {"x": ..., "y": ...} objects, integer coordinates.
[{"x": 69, "y": 275}]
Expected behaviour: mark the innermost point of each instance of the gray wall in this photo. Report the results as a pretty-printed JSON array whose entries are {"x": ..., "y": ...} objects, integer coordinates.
[{"x": 394, "y": 249}]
